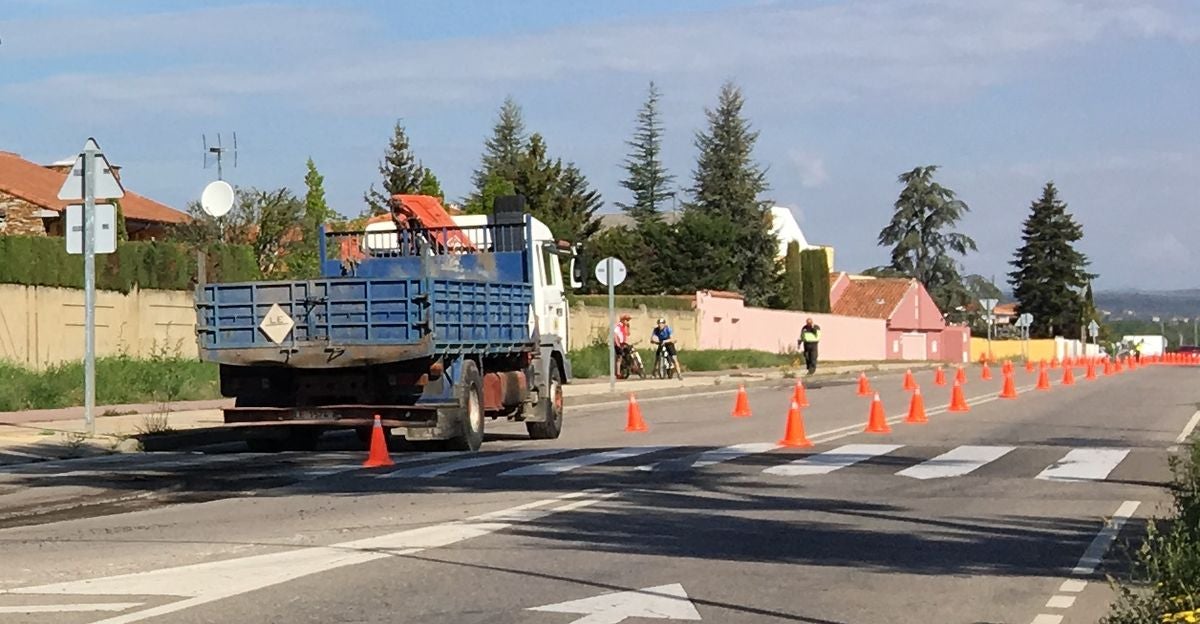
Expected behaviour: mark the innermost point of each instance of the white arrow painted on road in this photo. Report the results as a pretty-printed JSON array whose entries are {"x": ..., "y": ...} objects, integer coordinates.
[{"x": 665, "y": 602}]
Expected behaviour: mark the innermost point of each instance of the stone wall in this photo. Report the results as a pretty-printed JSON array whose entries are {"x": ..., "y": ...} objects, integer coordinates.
[{"x": 19, "y": 217}]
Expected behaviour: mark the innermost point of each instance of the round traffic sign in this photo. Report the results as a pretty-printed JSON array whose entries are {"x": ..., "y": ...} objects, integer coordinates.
[{"x": 618, "y": 271}]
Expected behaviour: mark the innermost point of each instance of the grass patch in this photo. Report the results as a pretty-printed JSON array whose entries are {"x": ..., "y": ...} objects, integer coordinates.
[
  {"x": 592, "y": 362},
  {"x": 119, "y": 380}
]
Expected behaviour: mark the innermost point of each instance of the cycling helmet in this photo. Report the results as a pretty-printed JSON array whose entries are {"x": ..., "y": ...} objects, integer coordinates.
[{"x": 661, "y": 321}]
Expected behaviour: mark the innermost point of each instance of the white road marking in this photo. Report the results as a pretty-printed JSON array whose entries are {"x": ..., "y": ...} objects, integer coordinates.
[
  {"x": 957, "y": 462},
  {"x": 473, "y": 462},
  {"x": 573, "y": 463},
  {"x": 1085, "y": 464},
  {"x": 1073, "y": 586},
  {"x": 830, "y": 461},
  {"x": 1045, "y": 618},
  {"x": 713, "y": 457},
  {"x": 208, "y": 582},
  {"x": 1060, "y": 602},
  {"x": 1187, "y": 429},
  {"x": 70, "y": 608},
  {"x": 1095, "y": 551},
  {"x": 665, "y": 602}
]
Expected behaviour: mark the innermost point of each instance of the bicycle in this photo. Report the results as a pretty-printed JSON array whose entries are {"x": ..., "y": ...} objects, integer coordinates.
[
  {"x": 665, "y": 364},
  {"x": 631, "y": 362}
]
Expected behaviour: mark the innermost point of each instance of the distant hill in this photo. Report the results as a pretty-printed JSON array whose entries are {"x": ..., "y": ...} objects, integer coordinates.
[{"x": 1144, "y": 304}]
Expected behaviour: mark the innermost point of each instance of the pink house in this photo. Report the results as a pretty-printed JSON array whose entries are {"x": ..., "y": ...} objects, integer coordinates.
[{"x": 916, "y": 329}]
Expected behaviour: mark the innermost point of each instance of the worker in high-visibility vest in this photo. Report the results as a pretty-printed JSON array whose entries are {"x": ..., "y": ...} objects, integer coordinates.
[{"x": 810, "y": 336}]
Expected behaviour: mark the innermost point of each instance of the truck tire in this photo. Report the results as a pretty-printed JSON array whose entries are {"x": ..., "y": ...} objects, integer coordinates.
[
  {"x": 552, "y": 409},
  {"x": 471, "y": 417}
]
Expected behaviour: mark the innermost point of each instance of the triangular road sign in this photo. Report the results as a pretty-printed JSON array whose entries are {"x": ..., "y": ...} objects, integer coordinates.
[{"x": 107, "y": 185}]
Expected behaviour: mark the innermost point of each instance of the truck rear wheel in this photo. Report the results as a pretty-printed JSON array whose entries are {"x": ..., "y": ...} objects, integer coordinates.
[
  {"x": 470, "y": 435},
  {"x": 552, "y": 409}
]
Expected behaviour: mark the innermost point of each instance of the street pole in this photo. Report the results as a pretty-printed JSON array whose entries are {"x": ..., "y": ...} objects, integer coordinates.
[
  {"x": 89, "y": 288},
  {"x": 612, "y": 326}
]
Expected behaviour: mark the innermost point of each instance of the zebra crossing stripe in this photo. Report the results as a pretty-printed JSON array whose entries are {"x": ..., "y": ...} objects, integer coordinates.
[
  {"x": 1089, "y": 464},
  {"x": 592, "y": 459},
  {"x": 957, "y": 462},
  {"x": 710, "y": 457},
  {"x": 830, "y": 461},
  {"x": 474, "y": 462}
]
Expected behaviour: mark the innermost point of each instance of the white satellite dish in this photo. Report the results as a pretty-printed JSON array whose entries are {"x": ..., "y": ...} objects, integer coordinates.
[{"x": 217, "y": 199}]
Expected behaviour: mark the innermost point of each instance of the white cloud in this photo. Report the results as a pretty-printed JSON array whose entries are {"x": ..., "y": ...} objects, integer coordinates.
[
  {"x": 904, "y": 49},
  {"x": 810, "y": 167}
]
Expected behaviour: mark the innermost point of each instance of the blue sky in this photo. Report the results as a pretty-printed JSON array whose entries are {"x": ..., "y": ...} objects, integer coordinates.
[{"x": 1098, "y": 95}]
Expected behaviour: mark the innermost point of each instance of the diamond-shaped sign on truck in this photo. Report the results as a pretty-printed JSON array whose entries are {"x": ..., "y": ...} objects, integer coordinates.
[{"x": 277, "y": 324}]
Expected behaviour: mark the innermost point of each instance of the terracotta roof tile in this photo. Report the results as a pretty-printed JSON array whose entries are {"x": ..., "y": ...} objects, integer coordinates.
[
  {"x": 1005, "y": 309},
  {"x": 39, "y": 185},
  {"x": 872, "y": 298}
]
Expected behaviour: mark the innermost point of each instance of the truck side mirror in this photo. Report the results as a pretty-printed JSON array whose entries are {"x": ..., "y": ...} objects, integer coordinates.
[{"x": 578, "y": 268}]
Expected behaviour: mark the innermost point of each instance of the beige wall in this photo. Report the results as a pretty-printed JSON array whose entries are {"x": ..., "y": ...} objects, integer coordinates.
[
  {"x": 586, "y": 323},
  {"x": 41, "y": 326}
]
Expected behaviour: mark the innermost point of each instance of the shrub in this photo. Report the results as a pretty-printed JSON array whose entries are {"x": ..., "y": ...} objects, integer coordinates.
[{"x": 152, "y": 264}]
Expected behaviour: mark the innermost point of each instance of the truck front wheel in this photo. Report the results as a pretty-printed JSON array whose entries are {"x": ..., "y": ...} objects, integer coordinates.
[
  {"x": 470, "y": 435},
  {"x": 552, "y": 409}
]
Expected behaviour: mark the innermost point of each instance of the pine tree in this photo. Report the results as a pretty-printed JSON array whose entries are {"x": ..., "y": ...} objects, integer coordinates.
[
  {"x": 1049, "y": 273},
  {"x": 647, "y": 178},
  {"x": 502, "y": 155},
  {"x": 431, "y": 186},
  {"x": 575, "y": 207},
  {"x": 726, "y": 192},
  {"x": 920, "y": 238},
  {"x": 537, "y": 178},
  {"x": 402, "y": 173}
]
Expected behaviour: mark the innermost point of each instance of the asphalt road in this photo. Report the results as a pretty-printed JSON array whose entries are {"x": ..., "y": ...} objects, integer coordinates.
[{"x": 999, "y": 515}]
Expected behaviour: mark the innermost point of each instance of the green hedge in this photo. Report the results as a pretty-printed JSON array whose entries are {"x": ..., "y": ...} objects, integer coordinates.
[
  {"x": 653, "y": 302},
  {"x": 44, "y": 261}
]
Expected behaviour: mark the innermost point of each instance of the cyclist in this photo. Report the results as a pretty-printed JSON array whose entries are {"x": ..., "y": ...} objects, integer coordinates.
[
  {"x": 663, "y": 337},
  {"x": 621, "y": 340}
]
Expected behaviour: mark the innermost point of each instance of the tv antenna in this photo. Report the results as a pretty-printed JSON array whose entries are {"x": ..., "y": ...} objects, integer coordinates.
[{"x": 218, "y": 151}]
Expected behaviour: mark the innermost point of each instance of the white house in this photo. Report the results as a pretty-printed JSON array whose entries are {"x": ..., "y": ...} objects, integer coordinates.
[{"x": 788, "y": 231}]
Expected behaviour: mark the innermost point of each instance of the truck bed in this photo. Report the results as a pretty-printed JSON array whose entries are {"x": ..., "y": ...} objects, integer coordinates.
[{"x": 343, "y": 322}]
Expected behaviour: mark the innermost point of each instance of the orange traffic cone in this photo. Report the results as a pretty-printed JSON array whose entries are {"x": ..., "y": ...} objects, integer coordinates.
[
  {"x": 909, "y": 383},
  {"x": 1010, "y": 388},
  {"x": 633, "y": 418},
  {"x": 986, "y": 375},
  {"x": 1054, "y": 363},
  {"x": 876, "y": 421},
  {"x": 378, "y": 456},
  {"x": 961, "y": 376},
  {"x": 793, "y": 435},
  {"x": 741, "y": 406},
  {"x": 1029, "y": 366},
  {"x": 958, "y": 402},
  {"x": 1108, "y": 367},
  {"x": 1043, "y": 382},
  {"x": 864, "y": 386},
  {"x": 1091, "y": 371},
  {"x": 939, "y": 377},
  {"x": 799, "y": 395},
  {"x": 916, "y": 409},
  {"x": 1007, "y": 369},
  {"x": 1068, "y": 378}
]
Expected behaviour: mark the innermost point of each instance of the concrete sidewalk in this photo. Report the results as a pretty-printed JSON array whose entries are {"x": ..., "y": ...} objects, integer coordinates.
[{"x": 58, "y": 433}]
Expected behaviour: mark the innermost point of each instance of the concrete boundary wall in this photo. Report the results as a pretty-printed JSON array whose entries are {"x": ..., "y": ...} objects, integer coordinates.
[{"x": 42, "y": 326}]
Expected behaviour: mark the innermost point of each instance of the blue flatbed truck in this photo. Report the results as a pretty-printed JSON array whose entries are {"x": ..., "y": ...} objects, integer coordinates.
[{"x": 436, "y": 330}]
